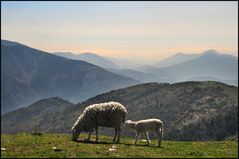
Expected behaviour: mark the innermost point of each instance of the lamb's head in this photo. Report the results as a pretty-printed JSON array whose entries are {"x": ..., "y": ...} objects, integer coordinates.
[
  {"x": 77, "y": 128},
  {"x": 129, "y": 124}
]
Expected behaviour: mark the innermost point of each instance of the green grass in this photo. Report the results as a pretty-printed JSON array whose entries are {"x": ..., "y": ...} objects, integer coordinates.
[{"x": 27, "y": 145}]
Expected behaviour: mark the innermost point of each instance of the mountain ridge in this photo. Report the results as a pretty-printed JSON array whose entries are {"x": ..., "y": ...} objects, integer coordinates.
[{"x": 90, "y": 58}]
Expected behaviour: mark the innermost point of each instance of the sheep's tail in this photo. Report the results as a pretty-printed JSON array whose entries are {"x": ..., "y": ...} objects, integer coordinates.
[
  {"x": 124, "y": 118},
  {"x": 161, "y": 130}
]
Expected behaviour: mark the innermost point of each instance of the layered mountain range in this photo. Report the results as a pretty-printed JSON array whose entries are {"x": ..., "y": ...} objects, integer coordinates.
[
  {"x": 28, "y": 74},
  {"x": 209, "y": 65}
]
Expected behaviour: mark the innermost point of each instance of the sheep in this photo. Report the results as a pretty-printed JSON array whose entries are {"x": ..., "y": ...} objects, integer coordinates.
[
  {"x": 111, "y": 114},
  {"x": 143, "y": 126}
]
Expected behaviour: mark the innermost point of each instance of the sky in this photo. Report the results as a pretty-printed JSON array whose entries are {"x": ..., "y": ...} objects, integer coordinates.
[{"x": 136, "y": 30}]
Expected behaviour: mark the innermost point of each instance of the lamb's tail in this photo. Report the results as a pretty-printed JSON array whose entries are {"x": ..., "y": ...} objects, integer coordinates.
[{"x": 123, "y": 119}]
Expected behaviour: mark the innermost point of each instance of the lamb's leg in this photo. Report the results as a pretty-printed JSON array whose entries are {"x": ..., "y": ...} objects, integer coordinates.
[
  {"x": 147, "y": 137},
  {"x": 136, "y": 138},
  {"x": 96, "y": 133},
  {"x": 89, "y": 136},
  {"x": 118, "y": 138},
  {"x": 115, "y": 135}
]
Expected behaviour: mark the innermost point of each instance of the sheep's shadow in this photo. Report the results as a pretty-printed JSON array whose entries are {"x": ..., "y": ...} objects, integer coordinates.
[
  {"x": 93, "y": 142},
  {"x": 109, "y": 143},
  {"x": 152, "y": 146}
]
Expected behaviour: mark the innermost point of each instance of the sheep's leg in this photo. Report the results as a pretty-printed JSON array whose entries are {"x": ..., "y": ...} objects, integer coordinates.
[
  {"x": 96, "y": 133},
  {"x": 147, "y": 137},
  {"x": 118, "y": 134},
  {"x": 136, "y": 138},
  {"x": 115, "y": 135},
  {"x": 159, "y": 138},
  {"x": 89, "y": 136}
]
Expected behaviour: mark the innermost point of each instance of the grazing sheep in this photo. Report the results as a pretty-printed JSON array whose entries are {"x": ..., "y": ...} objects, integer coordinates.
[
  {"x": 143, "y": 126},
  {"x": 111, "y": 114}
]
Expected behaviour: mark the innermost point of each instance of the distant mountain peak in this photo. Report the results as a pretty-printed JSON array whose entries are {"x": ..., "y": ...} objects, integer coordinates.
[
  {"x": 211, "y": 51},
  {"x": 89, "y": 53},
  {"x": 180, "y": 53},
  {"x": 90, "y": 58},
  {"x": 214, "y": 53}
]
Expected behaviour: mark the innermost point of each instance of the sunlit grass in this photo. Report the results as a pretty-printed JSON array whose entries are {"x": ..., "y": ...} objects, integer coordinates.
[{"x": 27, "y": 145}]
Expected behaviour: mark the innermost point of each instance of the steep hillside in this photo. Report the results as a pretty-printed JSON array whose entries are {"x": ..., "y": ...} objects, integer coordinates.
[
  {"x": 189, "y": 110},
  {"x": 28, "y": 74},
  {"x": 32, "y": 116}
]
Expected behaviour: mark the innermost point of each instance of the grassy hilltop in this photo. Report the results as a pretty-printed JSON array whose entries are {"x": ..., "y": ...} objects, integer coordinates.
[{"x": 60, "y": 146}]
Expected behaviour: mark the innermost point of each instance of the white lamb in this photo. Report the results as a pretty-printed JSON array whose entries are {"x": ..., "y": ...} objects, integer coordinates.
[
  {"x": 111, "y": 114},
  {"x": 144, "y": 126}
]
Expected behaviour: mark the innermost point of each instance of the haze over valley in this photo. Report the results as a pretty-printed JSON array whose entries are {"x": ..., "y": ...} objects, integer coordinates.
[{"x": 208, "y": 65}]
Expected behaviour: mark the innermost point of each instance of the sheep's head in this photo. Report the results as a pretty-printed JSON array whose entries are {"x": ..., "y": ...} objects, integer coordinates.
[
  {"x": 129, "y": 124},
  {"x": 75, "y": 134},
  {"x": 77, "y": 128}
]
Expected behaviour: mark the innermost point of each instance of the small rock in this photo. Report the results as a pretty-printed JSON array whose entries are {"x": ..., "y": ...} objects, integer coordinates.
[
  {"x": 114, "y": 147},
  {"x": 3, "y": 149},
  {"x": 110, "y": 149}
]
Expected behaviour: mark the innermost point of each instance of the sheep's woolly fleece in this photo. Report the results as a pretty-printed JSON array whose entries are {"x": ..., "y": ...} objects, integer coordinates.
[{"x": 107, "y": 114}]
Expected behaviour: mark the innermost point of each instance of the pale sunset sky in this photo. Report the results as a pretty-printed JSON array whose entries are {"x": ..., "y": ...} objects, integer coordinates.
[{"x": 148, "y": 30}]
